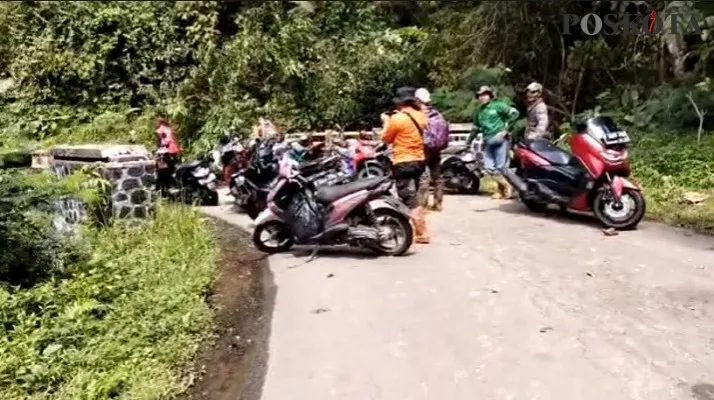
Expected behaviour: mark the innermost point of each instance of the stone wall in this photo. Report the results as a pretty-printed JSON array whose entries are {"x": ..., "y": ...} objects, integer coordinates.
[
  {"x": 133, "y": 184},
  {"x": 129, "y": 169}
]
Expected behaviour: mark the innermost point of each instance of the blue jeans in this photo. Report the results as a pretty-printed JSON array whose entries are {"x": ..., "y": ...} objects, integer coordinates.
[{"x": 495, "y": 155}]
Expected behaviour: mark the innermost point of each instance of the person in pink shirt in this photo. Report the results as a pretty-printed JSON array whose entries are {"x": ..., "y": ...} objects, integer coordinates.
[
  {"x": 166, "y": 163},
  {"x": 166, "y": 137}
]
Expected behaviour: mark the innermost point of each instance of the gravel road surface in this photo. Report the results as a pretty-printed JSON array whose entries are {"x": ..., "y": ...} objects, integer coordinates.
[{"x": 503, "y": 304}]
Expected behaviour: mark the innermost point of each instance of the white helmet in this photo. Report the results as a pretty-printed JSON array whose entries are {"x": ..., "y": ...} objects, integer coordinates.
[
  {"x": 423, "y": 95},
  {"x": 534, "y": 87}
]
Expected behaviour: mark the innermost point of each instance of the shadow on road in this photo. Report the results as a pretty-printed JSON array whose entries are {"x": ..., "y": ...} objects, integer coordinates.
[
  {"x": 553, "y": 214},
  {"x": 337, "y": 252},
  {"x": 703, "y": 391}
]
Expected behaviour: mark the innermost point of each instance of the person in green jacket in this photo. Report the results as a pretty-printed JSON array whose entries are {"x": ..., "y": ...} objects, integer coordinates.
[{"x": 494, "y": 119}]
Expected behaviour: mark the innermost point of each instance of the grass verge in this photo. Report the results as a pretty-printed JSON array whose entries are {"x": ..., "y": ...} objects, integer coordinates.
[
  {"x": 122, "y": 325},
  {"x": 671, "y": 167}
]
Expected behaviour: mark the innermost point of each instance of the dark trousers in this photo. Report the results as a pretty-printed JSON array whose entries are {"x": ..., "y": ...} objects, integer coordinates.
[
  {"x": 164, "y": 172},
  {"x": 432, "y": 176},
  {"x": 407, "y": 176}
]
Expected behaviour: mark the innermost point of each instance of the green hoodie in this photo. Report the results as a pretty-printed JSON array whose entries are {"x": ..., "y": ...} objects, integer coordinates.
[{"x": 494, "y": 117}]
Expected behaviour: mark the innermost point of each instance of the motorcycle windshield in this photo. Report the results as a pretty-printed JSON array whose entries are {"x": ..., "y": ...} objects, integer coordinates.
[{"x": 605, "y": 130}]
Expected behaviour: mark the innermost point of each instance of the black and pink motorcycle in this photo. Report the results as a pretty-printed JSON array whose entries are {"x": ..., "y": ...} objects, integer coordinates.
[{"x": 364, "y": 214}]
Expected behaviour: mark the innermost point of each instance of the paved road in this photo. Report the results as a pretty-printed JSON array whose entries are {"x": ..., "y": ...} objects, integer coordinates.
[{"x": 502, "y": 305}]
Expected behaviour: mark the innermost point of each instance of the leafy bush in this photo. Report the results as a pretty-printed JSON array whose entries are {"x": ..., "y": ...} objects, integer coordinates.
[
  {"x": 121, "y": 324},
  {"x": 105, "y": 52},
  {"x": 32, "y": 249}
]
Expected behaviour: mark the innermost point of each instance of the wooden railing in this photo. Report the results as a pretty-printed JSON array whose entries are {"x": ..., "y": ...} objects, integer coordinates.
[{"x": 459, "y": 133}]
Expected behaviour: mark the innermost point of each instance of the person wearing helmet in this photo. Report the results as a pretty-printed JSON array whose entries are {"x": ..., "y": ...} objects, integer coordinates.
[
  {"x": 494, "y": 119},
  {"x": 432, "y": 173},
  {"x": 538, "y": 121}
]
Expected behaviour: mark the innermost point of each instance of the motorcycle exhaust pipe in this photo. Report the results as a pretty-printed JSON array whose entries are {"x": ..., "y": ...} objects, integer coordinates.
[{"x": 519, "y": 184}]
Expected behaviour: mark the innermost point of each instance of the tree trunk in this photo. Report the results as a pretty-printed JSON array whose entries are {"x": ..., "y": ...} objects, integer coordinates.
[{"x": 673, "y": 42}]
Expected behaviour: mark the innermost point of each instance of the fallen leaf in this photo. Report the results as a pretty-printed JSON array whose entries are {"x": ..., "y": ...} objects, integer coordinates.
[
  {"x": 330, "y": 276},
  {"x": 495, "y": 290},
  {"x": 589, "y": 274},
  {"x": 610, "y": 232},
  {"x": 320, "y": 310},
  {"x": 546, "y": 329},
  {"x": 694, "y": 197}
]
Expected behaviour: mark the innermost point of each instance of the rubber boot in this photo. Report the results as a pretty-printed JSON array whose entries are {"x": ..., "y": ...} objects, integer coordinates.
[
  {"x": 499, "y": 190},
  {"x": 421, "y": 234},
  {"x": 504, "y": 189},
  {"x": 438, "y": 194},
  {"x": 507, "y": 189}
]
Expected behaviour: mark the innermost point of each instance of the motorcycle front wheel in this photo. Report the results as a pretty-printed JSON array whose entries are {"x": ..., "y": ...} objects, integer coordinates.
[
  {"x": 625, "y": 214},
  {"x": 395, "y": 227},
  {"x": 277, "y": 232},
  {"x": 210, "y": 198}
]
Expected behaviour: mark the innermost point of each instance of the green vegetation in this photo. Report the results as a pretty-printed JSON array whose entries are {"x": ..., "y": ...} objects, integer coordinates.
[
  {"x": 104, "y": 314},
  {"x": 109, "y": 314}
]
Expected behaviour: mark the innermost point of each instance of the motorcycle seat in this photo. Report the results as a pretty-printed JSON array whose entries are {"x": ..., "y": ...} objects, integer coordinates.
[
  {"x": 553, "y": 154},
  {"x": 329, "y": 194},
  {"x": 189, "y": 165},
  {"x": 453, "y": 150}
]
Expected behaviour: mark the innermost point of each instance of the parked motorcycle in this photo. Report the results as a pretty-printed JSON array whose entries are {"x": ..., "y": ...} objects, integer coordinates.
[
  {"x": 230, "y": 156},
  {"x": 250, "y": 187},
  {"x": 365, "y": 162},
  {"x": 364, "y": 214},
  {"x": 593, "y": 178},
  {"x": 188, "y": 182},
  {"x": 462, "y": 169}
]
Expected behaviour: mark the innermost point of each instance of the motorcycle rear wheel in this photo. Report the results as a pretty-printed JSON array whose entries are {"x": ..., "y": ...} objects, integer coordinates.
[
  {"x": 370, "y": 171},
  {"x": 604, "y": 209},
  {"x": 400, "y": 225},
  {"x": 534, "y": 206},
  {"x": 284, "y": 237},
  {"x": 474, "y": 186}
]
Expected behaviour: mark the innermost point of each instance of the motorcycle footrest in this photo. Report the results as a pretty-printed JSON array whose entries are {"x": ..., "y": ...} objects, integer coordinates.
[
  {"x": 330, "y": 232},
  {"x": 548, "y": 194}
]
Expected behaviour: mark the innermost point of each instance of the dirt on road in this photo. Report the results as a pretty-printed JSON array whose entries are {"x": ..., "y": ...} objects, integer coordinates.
[{"x": 233, "y": 366}]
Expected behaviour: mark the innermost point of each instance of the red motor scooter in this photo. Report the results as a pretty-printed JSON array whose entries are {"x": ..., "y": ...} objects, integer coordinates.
[{"x": 593, "y": 178}]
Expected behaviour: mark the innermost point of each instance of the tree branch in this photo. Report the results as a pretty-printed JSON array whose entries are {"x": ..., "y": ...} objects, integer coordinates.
[{"x": 700, "y": 114}]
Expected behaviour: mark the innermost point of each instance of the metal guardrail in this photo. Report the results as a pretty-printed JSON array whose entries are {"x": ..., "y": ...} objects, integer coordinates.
[{"x": 459, "y": 133}]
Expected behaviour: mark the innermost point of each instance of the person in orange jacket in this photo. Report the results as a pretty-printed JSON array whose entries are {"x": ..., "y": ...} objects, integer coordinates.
[{"x": 403, "y": 130}]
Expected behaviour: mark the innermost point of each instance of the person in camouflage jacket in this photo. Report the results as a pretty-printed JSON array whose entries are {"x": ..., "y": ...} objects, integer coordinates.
[{"x": 538, "y": 121}]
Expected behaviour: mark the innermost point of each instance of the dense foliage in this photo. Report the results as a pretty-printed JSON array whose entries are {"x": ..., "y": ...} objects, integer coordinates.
[
  {"x": 106, "y": 314},
  {"x": 104, "y": 69}
]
